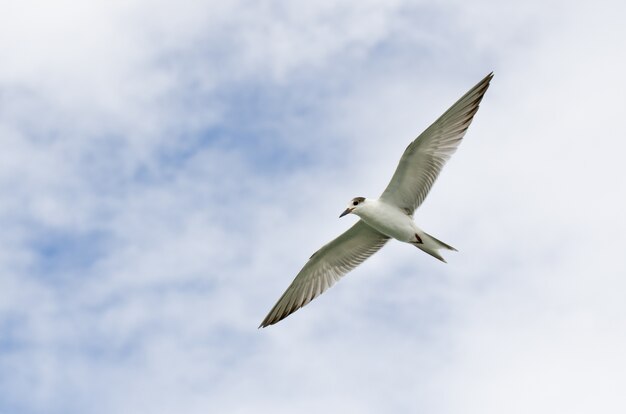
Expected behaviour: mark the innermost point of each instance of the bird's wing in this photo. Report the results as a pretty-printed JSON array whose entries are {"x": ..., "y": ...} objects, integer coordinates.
[
  {"x": 425, "y": 157},
  {"x": 326, "y": 267}
]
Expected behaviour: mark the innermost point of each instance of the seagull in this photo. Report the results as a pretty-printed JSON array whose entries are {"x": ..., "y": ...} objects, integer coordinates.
[{"x": 389, "y": 216}]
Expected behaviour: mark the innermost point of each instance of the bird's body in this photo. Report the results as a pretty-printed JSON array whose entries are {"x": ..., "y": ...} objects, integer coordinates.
[
  {"x": 389, "y": 216},
  {"x": 388, "y": 219},
  {"x": 397, "y": 224}
]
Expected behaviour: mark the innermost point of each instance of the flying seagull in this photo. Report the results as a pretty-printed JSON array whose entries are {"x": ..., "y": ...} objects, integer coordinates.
[{"x": 389, "y": 216}]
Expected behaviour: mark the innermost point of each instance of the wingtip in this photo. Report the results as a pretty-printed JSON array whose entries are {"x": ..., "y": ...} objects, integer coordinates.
[
  {"x": 265, "y": 324},
  {"x": 272, "y": 319},
  {"x": 487, "y": 79}
]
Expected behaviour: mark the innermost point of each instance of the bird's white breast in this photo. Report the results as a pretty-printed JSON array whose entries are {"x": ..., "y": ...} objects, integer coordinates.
[{"x": 388, "y": 219}]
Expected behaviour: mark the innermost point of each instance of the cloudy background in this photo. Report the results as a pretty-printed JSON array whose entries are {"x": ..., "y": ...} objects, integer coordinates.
[{"x": 166, "y": 169}]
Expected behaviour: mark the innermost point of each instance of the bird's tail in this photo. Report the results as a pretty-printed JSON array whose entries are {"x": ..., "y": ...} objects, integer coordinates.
[{"x": 431, "y": 245}]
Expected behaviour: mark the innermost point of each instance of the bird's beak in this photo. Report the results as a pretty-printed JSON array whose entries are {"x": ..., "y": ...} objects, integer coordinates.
[{"x": 348, "y": 211}]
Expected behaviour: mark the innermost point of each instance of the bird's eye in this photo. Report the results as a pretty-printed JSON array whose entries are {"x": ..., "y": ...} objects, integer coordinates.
[{"x": 356, "y": 203}]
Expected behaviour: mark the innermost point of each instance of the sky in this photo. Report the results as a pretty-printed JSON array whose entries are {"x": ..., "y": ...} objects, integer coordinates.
[{"x": 167, "y": 169}]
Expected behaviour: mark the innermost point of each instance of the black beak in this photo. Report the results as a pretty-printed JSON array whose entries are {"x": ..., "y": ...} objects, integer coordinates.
[{"x": 348, "y": 211}]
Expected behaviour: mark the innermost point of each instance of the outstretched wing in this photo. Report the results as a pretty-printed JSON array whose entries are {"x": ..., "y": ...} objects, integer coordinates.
[
  {"x": 426, "y": 155},
  {"x": 326, "y": 267}
]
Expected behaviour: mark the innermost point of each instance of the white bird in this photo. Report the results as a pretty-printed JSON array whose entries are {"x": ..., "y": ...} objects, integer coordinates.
[{"x": 391, "y": 215}]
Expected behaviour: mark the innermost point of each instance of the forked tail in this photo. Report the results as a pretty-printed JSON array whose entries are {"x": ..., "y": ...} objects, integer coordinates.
[{"x": 431, "y": 245}]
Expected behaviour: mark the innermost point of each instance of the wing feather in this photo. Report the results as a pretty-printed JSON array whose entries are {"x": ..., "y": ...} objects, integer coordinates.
[
  {"x": 424, "y": 158},
  {"x": 325, "y": 267}
]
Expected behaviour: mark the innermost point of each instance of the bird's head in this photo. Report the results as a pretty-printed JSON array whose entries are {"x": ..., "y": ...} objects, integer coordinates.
[{"x": 355, "y": 204}]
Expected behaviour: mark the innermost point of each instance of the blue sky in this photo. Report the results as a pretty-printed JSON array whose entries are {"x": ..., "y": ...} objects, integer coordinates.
[{"x": 167, "y": 170}]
